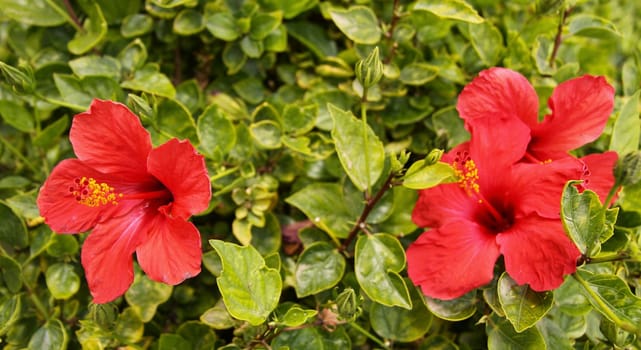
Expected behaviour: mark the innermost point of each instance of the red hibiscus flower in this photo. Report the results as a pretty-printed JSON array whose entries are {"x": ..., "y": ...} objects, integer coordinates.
[
  {"x": 133, "y": 197},
  {"x": 498, "y": 207},
  {"x": 579, "y": 110}
]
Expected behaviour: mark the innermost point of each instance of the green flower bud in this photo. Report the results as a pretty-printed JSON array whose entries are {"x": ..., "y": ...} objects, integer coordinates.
[
  {"x": 369, "y": 70},
  {"x": 21, "y": 78},
  {"x": 104, "y": 315},
  {"x": 348, "y": 305},
  {"x": 628, "y": 169},
  {"x": 434, "y": 156}
]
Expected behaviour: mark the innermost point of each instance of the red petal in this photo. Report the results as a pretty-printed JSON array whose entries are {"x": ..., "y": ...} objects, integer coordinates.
[
  {"x": 107, "y": 254},
  {"x": 537, "y": 251},
  {"x": 452, "y": 260},
  {"x": 599, "y": 176},
  {"x": 61, "y": 210},
  {"x": 172, "y": 251},
  {"x": 499, "y": 93},
  {"x": 443, "y": 203},
  {"x": 177, "y": 165},
  {"x": 110, "y": 138},
  {"x": 537, "y": 188},
  {"x": 580, "y": 109}
]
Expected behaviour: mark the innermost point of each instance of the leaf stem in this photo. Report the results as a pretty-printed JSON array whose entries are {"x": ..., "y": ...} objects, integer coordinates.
[
  {"x": 71, "y": 15},
  {"x": 558, "y": 38},
  {"x": 364, "y": 134},
  {"x": 368, "y": 335}
]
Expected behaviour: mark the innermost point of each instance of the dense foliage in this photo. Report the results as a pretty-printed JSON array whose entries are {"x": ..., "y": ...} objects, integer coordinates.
[{"x": 318, "y": 122}]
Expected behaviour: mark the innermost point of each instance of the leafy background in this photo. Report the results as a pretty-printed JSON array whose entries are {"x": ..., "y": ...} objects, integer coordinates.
[{"x": 304, "y": 241}]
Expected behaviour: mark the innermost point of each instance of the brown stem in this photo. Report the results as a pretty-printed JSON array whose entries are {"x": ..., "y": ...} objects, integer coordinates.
[
  {"x": 558, "y": 39},
  {"x": 72, "y": 14},
  {"x": 390, "y": 32},
  {"x": 369, "y": 206}
]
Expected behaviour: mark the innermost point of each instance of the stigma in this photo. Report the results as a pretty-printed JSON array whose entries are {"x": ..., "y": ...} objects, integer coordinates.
[
  {"x": 87, "y": 191},
  {"x": 467, "y": 173}
]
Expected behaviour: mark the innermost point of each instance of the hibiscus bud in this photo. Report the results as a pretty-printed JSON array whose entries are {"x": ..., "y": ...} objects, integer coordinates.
[
  {"x": 370, "y": 69},
  {"x": 348, "y": 305},
  {"x": 615, "y": 334},
  {"x": 104, "y": 315},
  {"x": 628, "y": 169},
  {"x": 434, "y": 156},
  {"x": 21, "y": 79}
]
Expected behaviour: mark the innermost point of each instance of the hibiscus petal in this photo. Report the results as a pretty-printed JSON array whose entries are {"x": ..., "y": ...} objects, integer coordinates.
[
  {"x": 537, "y": 188},
  {"x": 62, "y": 212},
  {"x": 537, "y": 251},
  {"x": 452, "y": 260},
  {"x": 177, "y": 165},
  {"x": 107, "y": 254},
  {"x": 172, "y": 251},
  {"x": 111, "y": 139},
  {"x": 599, "y": 175},
  {"x": 580, "y": 109},
  {"x": 499, "y": 93}
]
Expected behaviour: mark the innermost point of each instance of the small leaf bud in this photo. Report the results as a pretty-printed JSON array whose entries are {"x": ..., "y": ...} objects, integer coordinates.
[
  {"x": 369, "y": 70},
  {"x": 348, "y": 305},
  {"x": 434, "y": 156}
]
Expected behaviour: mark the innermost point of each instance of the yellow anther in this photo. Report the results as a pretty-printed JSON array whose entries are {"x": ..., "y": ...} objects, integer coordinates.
[
  {"x": 89, "y": 192},
  {"x": 467, "y": 172}
]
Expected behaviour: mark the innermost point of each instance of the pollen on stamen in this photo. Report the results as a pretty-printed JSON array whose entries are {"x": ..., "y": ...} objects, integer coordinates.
[
  {"x": 89, "y": 192},
  {"x": 468, "y": 174}
]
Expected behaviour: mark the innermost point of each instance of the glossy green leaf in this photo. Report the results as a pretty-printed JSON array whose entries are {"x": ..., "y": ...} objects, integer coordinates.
[
  {"x": 77, "y": 93},
  {"x": 133, "y": 57},
  {"x": 51, "y": 335},
  {"x": 314, "y": 37},
  {"x": 9, "y": 312},
  {"x": 266, "y": 134},
  {"x": 359, "y": 23},
  {"x": 250, "y": 289},
  {"x": 290, "y": 8},
  {"x": 626, "y": 132},
  {"x": 145, "y": 295},
  {"x": 458, "y": 10},
  {"x": 593, "y": 27},
  {"x": 263, "y": 23},
  {"x": 360, "y": 151},
  {"x": 223, "y": 26},
  {"x": 169, "y": 341},
  {"x": 215, "y": 131},
  {"x": 218, "y": 317},
  {"x": 130, "y": 327},
  {"x": 33, "y": 12},
  {"x": 17, "y": 116},
  {"x": 11, "y": 271},
  {"x": 13, "y": 230},
  {"x": 421, "y": 176},
  {"x": 276, "y": 40},
  {"x": 251, "y": 47},
  {"x": 62, "y": 280},
  {"x": 502, "y": 336},
  {"x": 293, "y": 315},
  {"x": 312, "y": 338},
  {"x": 95, "y": 29},
  {"x": 188, "y": 22},
  {"x": 250, "y": 89},
  {"x": 379, "y": 259},
  {"x": 148, "y": 79},
  {"x": 399, "y": 324},
  {"x": 523, "y": 307},
  {"x": 585, "y": 220},
  {"x": 298, "y": 120},
  {"x": 322, "y": 203},
  {"x": 199, "y": 335},
  {"x": 51, "y": 132},
  {"x": 320, "y": 267},
  {"x": 418, "y": 73},
  {"x": 63, "y": 245},
  {"x": 487, "y": 41},
  {"x": 611, "y": 296},
  {"x": 457, "y": 309},
  {"x": 175, "y": 120},
  {"x": 136, "y": 25},
  {"x": 92, "y": 65}
]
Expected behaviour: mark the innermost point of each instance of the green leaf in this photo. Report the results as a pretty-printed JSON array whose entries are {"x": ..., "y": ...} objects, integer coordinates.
[
  {"x": 266, "y": 134},
  {"x": 13, "y": 230},
  {"x": 252, "y": 48},
  {"x": 145, "y": 295},
  {"x": 92, "y": 65},
  {"x": 399, "y": 324},
  {"x": 249, "y": 288},
  {"x": 215, "y": 131},
  {"x": 626, "y": 131},
  {"x": 418, "y": 73},
  {"x": 217, "y": 317},
  {"x": 541, "y": 51},
  {"x": 487, "y": 42},
  {"x": 379, "y": 259},
  {"x": 136, "y": 25},
  {"x": 359, "y": 23},
  {"x": 585, "y": 220},
  {"x": 199, "y": 335},
  {"x": 148, "y": 79},
  {"x": 223, "y": 26},
  {"x": 421, "y": 176},
  {"x": 292, "y": 315},
  {"x": 11, "y": 272},
  {"x": 458, "y": 10},
  {"x": 457, "y": 309},
  {"x": 9, "y": 312},
  {"x": 130, "y": 327},
  {"x": 593, "y": 27},
  {"x": 299, "y": 120},
  {"x": 323, "y": 204},
  {"x": 174, "y": 119},
  {"x": 33, "y": 12},
  {"x": 360, "y": 151},
  {"x": 62, "y": 245},
  {"x": 250, "y": 89},
  {"x": 133, "y": 57},
  {"x": 78, "y": 93},
  {"x": 313, "y": 37},
  {"x": 523, "y": 307},
  {"x": 51, "y": 335},
  {"x": 320, "y": 267},
  {"x": 502, "y": 336},
  {"x": 290, "y": 8},
  {"x": 17, "y": 116},
  {"x": 611, "y": 296},
  {"x": 169, "y": 341},
  {"x": 312, "y": 338},
  {"x": 62, "y": 280},
  {"x": 263, "y": 23},
  {"x": 188, "y": 22},
  {"x": 95, "y": 29}
]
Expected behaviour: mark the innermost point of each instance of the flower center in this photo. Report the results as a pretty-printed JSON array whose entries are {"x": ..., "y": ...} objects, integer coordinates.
[{"x": 89, "y": 192}]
